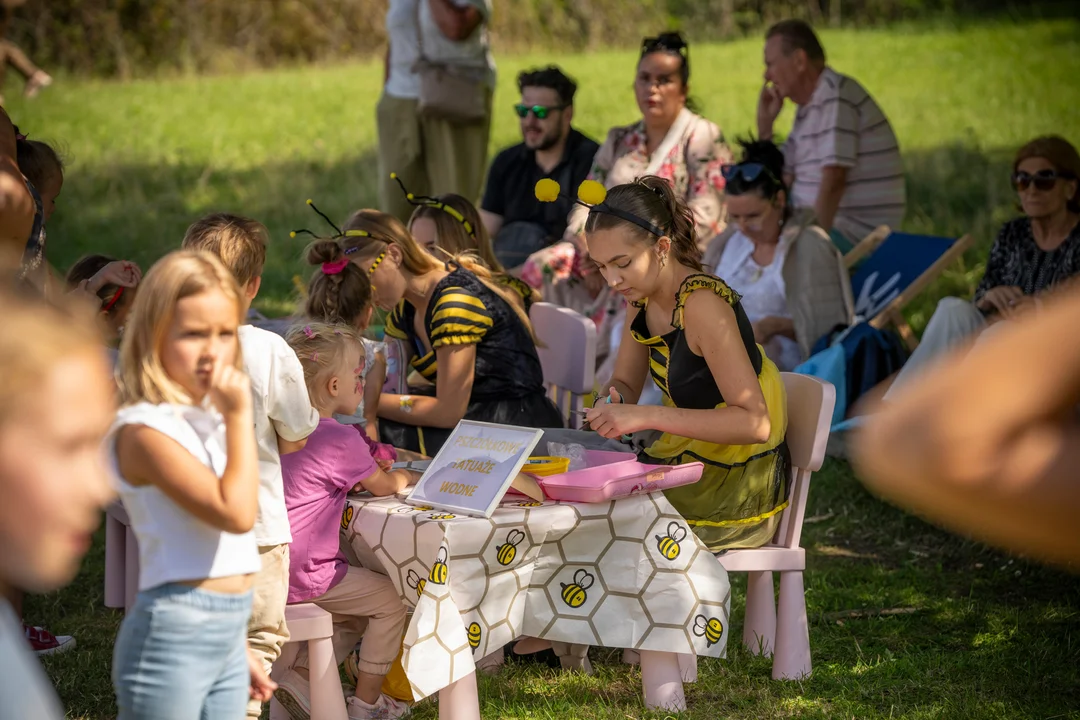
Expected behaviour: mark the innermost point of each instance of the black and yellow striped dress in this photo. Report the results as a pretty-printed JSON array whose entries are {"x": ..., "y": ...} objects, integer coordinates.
[
  {"x": 738, "y": 500},
  {"x": 508, "y": 385}
]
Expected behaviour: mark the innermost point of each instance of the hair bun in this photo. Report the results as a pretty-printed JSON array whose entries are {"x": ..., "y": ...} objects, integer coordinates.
[{"x": 323, "y": 251}]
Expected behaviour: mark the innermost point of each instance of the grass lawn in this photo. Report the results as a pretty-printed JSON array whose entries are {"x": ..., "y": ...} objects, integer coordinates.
[
  {"x": 148, "y": 157},
  {"x": 988, "y": 636}
]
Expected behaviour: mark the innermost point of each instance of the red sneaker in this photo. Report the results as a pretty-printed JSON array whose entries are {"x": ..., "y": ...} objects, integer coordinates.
[{"x": 43, "y": 642}]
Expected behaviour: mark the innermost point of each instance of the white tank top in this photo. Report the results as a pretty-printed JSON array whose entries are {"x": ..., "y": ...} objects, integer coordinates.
[{"x": 174, "y": 545}]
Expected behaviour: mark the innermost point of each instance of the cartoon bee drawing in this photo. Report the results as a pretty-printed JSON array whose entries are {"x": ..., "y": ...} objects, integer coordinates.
[
  {"x": 416, "y": 582},
  {"x": 709, "y": 628},
  {"x": 574, "y": 594},
  {"x": 413, "y": 508},
  {"x": 438, "y": 570},
  {"x": 346, "y": 517},
  {"x": 530, "y": 503},
  {"x": 474, "y": 635},
  {"x": 441, "y": 516},
  {"x": 508, "y": 550},
  {"x": 669, "y": 545}
]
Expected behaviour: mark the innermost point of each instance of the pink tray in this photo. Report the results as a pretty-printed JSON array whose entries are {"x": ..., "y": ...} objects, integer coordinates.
[{"x": 616, "y": 474}]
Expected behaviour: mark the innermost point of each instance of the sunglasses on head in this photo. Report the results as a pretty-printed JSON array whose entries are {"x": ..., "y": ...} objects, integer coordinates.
[
  {"x": 1043, "y": 180},
  {"x": 540, "y": 111},
  {"x": 670, "y": 42},
  {"x": 748, "y": 172}
]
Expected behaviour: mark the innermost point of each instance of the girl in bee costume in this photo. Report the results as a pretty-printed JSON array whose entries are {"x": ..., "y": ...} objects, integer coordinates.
[
  {"x": 724, "y": 402},
  {"x": 466, "y": 333}
]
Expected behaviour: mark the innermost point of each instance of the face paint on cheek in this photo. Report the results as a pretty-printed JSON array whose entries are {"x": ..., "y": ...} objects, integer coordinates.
[{"x": 359, "y": 380}]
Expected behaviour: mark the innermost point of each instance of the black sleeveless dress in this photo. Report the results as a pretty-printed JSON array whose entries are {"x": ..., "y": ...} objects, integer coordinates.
[{"x": 508, "y": 387}]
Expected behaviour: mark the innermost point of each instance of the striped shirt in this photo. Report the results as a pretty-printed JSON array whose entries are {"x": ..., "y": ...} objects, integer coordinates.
[{"x": 842, "y": 126}]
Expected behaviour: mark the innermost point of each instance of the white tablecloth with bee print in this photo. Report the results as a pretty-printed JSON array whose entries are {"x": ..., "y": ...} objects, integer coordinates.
[{"x": 624, "y": 574}]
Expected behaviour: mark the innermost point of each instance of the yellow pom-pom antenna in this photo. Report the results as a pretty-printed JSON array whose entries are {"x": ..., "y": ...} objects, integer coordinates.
[
  {"x": 393, "y": 176},
  {"x": 292, "y": 234},
  {"x": 591, "y": 192},
  {"x": 547, "y": 190},
  {"x": 309, "y": 202}
]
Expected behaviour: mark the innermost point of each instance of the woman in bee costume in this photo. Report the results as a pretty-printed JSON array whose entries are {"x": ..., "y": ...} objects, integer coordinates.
[
  {"x": 466, "y": 333},
  {"x": 724, "y": 402}
]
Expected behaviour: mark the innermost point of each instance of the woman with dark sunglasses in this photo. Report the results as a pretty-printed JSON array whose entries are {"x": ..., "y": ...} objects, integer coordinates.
[
  {"x": 1033, "y": 256},
  {"x": 669, "y": 141},
  {"x": 791, "y": 277}
]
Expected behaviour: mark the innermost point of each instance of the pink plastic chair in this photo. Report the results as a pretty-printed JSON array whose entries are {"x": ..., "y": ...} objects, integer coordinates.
[
  {"x": 786, "y": 635},
  {"x": 315, "y": 626},
  {"x": 121, "y": 559},
  {"x": 568, "y": 358}
]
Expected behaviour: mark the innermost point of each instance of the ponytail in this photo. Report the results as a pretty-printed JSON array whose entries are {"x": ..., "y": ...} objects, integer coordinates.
[
  {"x": 653, "y": 199},
  {"x": 339, "y": 291}
]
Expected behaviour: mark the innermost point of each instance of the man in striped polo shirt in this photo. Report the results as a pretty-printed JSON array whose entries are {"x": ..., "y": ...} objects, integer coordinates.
[{"x": 842, "y": 158}]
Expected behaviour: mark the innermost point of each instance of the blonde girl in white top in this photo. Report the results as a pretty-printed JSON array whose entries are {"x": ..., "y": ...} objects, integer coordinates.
[{"x": 186, "y": 458}]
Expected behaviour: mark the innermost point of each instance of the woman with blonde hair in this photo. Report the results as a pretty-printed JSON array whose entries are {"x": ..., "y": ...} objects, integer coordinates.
[
  {"x": 463, "y": 331},
  {"x": 449, "y": 225}
]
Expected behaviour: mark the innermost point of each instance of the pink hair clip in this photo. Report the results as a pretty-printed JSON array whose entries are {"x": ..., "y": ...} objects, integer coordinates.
[
  {"x": 333, "y": 268},
  {"x": 314, "y": 356},
  {"x": 309, "y": 332}
]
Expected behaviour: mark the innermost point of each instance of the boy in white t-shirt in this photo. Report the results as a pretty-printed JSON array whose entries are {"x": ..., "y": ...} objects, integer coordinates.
[{"x": 282, "y": 412}]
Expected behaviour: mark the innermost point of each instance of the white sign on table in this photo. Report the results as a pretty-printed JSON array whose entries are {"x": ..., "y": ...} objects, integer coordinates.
[{"x": 474, "y": 468}]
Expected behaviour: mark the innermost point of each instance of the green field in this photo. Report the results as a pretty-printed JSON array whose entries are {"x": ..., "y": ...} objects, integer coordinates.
[
  {"x": 147, "y": 157},
  {"x": 987, "y": 636}
]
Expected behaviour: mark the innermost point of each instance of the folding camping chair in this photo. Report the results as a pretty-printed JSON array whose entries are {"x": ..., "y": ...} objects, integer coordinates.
[{"x": 895, "y": 267}]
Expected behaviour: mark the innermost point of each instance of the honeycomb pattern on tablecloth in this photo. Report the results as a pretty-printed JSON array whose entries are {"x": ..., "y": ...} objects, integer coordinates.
[{"x": 622, "y": 573}]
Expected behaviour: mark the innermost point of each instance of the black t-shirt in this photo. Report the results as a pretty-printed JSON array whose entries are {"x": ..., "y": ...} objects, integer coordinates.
[{"x": 511, "y": 183}]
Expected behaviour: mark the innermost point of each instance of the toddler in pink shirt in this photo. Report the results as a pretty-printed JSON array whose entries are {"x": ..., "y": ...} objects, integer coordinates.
[{"x": 335, "y": 461}]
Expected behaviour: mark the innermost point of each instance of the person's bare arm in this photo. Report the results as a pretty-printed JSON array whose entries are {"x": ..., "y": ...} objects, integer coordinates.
[
  {"x": 372, "y": 390},
  {"x": 987, "y": 444},
  {"x": 456, "y": 23},
  {"x": 388, "y": 482},
  {"x": 290, "y": 446},
  {"x": 453, "y": 388},
  {"x": 149, "y": 457},
  {"x": 712, "y": 332},
  {"x": 833, "y": 184},
  {"x": 16, "y": 209}
]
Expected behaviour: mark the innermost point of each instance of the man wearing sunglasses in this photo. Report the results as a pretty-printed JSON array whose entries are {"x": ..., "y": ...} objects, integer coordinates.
[
  {"x": 842, "y": 156},
  {"x": 519, "y": 223}
]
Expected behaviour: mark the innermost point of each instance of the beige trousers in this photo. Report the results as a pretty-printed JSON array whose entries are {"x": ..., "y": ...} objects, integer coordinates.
[
  {"x": 431, "y": 156},
  {"x": 267, "y": 632},
  {"x": 363, "y": 605}
]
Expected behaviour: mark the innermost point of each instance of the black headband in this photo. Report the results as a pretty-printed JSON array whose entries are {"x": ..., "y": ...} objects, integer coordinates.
[{"x": 606, "y": 209}]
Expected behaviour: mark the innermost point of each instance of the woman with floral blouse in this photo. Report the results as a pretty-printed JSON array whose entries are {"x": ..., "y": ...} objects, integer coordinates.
[{"x": 669, "y": 141}]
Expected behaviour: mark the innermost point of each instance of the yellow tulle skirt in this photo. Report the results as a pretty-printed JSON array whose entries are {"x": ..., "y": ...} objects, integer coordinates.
[{"x": 743, "y": 489}]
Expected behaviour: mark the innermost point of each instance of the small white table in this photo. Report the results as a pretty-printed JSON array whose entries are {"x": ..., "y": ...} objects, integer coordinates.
[{"x": 626, "y": 573}]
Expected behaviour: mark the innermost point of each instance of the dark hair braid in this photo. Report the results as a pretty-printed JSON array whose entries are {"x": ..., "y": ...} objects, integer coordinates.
[{"x": 340, "y": 297}]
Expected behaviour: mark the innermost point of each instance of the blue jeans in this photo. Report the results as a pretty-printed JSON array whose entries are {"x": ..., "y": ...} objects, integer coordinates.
[{"x": 181, "y": 654}]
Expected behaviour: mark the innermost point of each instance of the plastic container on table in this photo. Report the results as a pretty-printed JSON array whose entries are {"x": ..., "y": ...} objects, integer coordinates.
[{"x": 611, "y": 475}]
